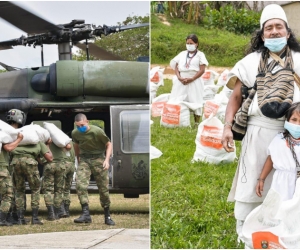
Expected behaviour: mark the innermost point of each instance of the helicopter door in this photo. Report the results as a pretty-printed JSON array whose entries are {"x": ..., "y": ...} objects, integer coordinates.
[{"x": 131, "y": 144}]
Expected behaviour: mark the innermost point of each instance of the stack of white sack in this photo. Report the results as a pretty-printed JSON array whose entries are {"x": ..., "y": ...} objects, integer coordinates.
[
  {"x": 158, "y": 104},
  {"x": 222, "y": 80},
  {"x": 59, "y": 138},
  {"x": 9, "y": 131},
  {"x": 275, "y": 223},
  {"x": 208, "y": 143},
  {"x": 210, "y": 91},
  {"x": 176, "y": 112},
  {"x": 209, "y": 77},
  {"x": 210, "y": 107}
]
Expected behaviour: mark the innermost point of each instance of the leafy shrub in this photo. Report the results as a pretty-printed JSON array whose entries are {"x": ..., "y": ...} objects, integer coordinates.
[{"x": 240, "y": 21}]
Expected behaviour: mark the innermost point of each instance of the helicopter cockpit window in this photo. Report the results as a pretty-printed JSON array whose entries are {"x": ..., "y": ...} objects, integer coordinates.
[{"x": 135, "y": 131}]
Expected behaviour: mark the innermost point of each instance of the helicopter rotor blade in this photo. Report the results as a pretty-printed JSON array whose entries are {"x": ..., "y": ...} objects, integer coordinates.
[
  {"x": 8, "y": 68},
  {"x": 24, "y": 19},
  {"x": 99, "y": 53}
]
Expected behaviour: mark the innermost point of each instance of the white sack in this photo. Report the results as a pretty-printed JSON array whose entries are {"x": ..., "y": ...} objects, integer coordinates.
[
  {"x": 210, "y": 91},
  {"x": 42, "y": 133},
  {"x": 153, "y": 89},
  {"x": 5, "y": 127},
  {"x": 158, "y": 104},
  {"x": 223, "y": 101},
  {"x": 154, "y": 153},
  {"x": 59, "y": 138},
  {"x": 175, "y": 115},
  {"x": 210, "y": 107},
  {"x": 156, "y": 76},
  {"x": 5, "y": 138},
  {"x": 208, "y": 143},
  {"x": 281, "y": 218},
  {"x": 226, "y": 91},
  {"x": 222, "y": 80},
  {"x": 29, "y": 135},
  {"x": 209, "y": 77}
]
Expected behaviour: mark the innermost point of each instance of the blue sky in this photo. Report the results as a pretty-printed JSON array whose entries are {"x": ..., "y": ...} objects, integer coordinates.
[{"x": 96, "y": 12}]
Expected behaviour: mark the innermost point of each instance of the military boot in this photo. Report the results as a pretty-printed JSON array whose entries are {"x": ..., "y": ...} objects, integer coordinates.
[
  {"x": 67, "y": 209},
  {"x": 21, "y": 219},
  {"x": 107, "y": 219},
  {"x": 85, "y": 216},
  {"x": 60, "y": 211},
  {"x": 12, "y": 218},
  {"x": 3, "y": 221},
  {"x": 51, "y": 215},
  {"x": 35, "y": 220}
]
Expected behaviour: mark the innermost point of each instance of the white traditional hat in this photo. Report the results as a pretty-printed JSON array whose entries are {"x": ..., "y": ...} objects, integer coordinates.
[{"x": 272, "y": 11}]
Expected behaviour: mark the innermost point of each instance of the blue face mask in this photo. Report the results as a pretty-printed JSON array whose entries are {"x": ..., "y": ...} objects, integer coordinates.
[
  {"x": 293, "y": 129},
  {"x": 82, "y": 129},
  {"x": 275, "y": 44}
]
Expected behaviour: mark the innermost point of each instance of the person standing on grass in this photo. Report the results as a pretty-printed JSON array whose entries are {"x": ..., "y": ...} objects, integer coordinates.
[
  {"x": 189, "y": 66},
  {"x": 260, "y": 73},
  {"x": 6, "y": 185},
  {"x": 284, "y": 157},
  {"x": 54, "y": 182},
  {"x": 93, "y": 150},
  {"x": 70, "y": 169},
  {"x": 25, "y": 165}
]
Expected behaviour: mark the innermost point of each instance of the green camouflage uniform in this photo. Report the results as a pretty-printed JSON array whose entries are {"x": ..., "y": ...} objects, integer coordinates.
[
  {"x": 25, "y": 165},
  {"x": 70, "y": 169},
  {"x": 53, "y": 177},
  {"x": 6, "y": 186},
  {"x": 92, "y": 147}
]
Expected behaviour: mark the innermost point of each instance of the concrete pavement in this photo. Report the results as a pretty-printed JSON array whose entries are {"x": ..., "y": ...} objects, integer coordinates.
[{"x": 95, "y": 239}]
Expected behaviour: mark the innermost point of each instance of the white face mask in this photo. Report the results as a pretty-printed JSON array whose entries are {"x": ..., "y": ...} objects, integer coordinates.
[{"x": 191, "y": 47}]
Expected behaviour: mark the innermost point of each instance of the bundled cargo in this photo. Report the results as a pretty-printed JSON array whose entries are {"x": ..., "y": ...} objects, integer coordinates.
[{"x": 59, "y": 138}]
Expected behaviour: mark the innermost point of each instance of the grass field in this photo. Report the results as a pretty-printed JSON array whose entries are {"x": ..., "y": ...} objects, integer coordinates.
[
  {"x": 127, "y": 213},
  {"x": 189, "y": 207}
]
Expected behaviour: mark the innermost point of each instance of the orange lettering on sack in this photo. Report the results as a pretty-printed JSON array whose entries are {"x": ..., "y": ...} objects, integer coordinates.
[
  {"x": 171, "y": 114},
  {"x": 206, "y": 75},
  {"x": 155, "y": 78},
  {"x": 156, "y": 108},
  {"x": 210, "y": 107},
  {"x": 266, "y": 240},
  {"x": 211, "y": 137}
]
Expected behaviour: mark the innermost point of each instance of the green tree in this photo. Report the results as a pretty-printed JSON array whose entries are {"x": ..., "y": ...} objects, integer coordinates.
[{"x": 128, "y": 44}]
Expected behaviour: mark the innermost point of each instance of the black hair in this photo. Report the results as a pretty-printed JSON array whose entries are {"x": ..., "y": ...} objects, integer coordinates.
[
  {"x": 257, "y": 44},
  {"x": 193, "y": 37}
]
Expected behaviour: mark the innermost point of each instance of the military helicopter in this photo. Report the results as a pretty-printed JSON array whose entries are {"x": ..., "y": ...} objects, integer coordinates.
[{"x": 109, "y": 90}]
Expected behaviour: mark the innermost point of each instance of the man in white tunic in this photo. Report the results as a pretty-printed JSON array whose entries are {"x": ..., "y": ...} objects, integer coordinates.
[{"x": 274, "y": 37}]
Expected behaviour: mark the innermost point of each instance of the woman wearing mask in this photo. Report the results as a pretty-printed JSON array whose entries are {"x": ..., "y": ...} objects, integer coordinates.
[{"x": 189, "y": 66}]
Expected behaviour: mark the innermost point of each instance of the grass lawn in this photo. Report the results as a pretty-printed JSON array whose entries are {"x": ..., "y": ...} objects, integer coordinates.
[
  {"x": 126, "y": 213},
  {"x": 189, "y": 207}
]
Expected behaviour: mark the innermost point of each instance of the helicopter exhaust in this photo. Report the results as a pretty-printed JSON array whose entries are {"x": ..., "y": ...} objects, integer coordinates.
[{"x": 93, "y": 78}]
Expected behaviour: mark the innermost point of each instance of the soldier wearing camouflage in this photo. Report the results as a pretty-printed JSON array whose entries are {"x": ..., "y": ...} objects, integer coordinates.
[
  {"x": 70, "y": 169},
  {"x": 54, "y": 182},
  {"x": 93, "y": 150},
  {"x": 25, "y": 165},
  {"x": 6, "y": 185}
]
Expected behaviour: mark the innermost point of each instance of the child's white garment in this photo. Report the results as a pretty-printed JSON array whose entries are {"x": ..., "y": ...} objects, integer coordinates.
[{"x": 285, "y": 175}]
